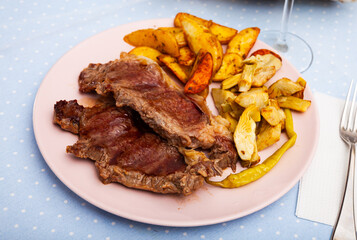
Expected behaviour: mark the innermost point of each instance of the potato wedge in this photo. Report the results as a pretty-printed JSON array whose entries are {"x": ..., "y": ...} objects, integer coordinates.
[
  {"x": 180, "y": 37},
  {"x": 243, "y": 41},
  {"x": 294, "y": 103},
  {"x": 266, "y": 52},
  {"x": 256, "y": 96},
  {"x": 284, "y": 87},
  {"x": 180, "y": 71},
  {"x": 231, "y": 65},
  {"x": 147, "y": 52},
  {"x": 199, "y": 37},
  {"x": 162, "y": 40},
  {"x": 187, "y": 57},
  {"x": 268, "y": 135},
  {"x": 224, "y": 34},
  {"x": 201, "y": 73}
]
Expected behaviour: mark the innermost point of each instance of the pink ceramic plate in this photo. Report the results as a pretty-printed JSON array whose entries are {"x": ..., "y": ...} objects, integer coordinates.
[{"x": 208, "y": 205}]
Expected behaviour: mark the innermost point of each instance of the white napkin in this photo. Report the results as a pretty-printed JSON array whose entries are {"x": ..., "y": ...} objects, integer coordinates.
[{"x": 322, "y": 186}]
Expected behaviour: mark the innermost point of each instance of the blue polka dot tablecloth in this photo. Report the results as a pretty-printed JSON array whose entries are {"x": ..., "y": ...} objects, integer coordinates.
[{"x": 35, "y": 204}]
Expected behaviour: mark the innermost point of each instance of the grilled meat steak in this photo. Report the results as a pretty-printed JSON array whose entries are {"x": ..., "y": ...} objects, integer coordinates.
[
  {"x": 125, "y": 149},
  {"x": 141, "y": 84}
]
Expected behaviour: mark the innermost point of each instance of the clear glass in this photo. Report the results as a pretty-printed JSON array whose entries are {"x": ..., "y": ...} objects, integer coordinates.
[{"x": 295, "y": 49}]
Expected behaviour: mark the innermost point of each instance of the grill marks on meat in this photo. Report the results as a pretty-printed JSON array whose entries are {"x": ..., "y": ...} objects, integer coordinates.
[{"x": 125, "y": 149}]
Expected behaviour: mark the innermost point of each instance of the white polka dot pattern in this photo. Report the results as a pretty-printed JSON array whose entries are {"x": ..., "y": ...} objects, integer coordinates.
[{"x": 34, "y": 35}]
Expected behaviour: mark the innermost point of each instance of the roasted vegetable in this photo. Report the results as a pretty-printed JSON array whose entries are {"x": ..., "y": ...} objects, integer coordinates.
[
  {"x": 268, "y": 134},
  {"x": 180, "y": 71},
  {"x": 147, "y": 52},
  {"x": 244, "y": 134},
  {"x": 162, "y": 40},
  {"x": 231, "y": 81},
  {"x": 178, "y": 33},
  {"x": 200, "y": 37},
  {"x": 243, "y": 41},
  {"x": 231, "y": 65},
  {"x": 272, "y": 113},
  {"x": 187, "y": 57},
  {"x": 258, "y": 171},
  {"x": 256, "y": 96},
  {"x": 294, "y": 103},
  {"x": 302, "y": 83},
  {"x": 224, "y": 34},
  {"x": 201, "y": 73},
  {"x": 284, "y": 87},
  {"x": 222, "y": 97}
]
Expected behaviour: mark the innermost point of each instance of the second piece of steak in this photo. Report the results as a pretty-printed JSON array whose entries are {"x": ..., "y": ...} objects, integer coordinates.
[{"x": 125, "y": 149}]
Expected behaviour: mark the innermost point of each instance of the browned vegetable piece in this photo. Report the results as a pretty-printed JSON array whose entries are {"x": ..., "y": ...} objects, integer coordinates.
[
  {"x": 243, "y": 41},
  {"x": 272, "y": 113},
  {"x": 224, "y": 34},
  {"x": 147, "y": 52},
  {"x": 201, "y": 73},
  {"x": 302, "y": 83},
  {"x": 268, "y": 135},
  {"x": 180, "y": 37},
  {"x": 187, "y": 57},
  {"x": 284, "y": 87},
  {"x": 180, "y": 71},
  {"x": 265, "y": 52},
  {"x": 231, "y": 65},
  {"x": 294, "y": 103},
  {"x": 200, "y": 37},
  {"x": 162, "y": 40}
]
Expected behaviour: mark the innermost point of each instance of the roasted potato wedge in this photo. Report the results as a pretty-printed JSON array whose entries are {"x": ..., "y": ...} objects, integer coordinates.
[
  {"x": 199, "y": 37},
  {"x": 180, "y": 71},
  {"x": 243, "y": 41},
  {"x": 284, "y": 87},
  {"x": 187, "y": 57},
  {"x": 231, "y": 65},
  {"x": 256, "y": 96},
  {"x": 162, "y": 40},
  {"x": 224, "y": 34},
  {"x": 147, "y": 52},
  {"x": 266, "y": 52},
  {"x": 294, "y": 103},
  {"x": 268, "y": 135},
  {"x": 201, "y": 73},
  {"x": 180, "y": 37}
]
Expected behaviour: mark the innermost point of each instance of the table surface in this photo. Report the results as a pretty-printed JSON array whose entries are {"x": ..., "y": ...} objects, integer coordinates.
[{"x": 34, "y": 204}]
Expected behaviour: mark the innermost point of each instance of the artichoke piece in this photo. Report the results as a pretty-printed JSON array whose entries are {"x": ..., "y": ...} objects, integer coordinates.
[
  {"x": 272, "y": 113},
  {"x": 302, "y": 83},
  {"x": 294, "y": 103},
  {"x": 284, "y": 87},
  {"x": 244, "y": 134},
  {"x": 231, "y": 81},
  {"x": 233, "y": 122},
  {"x": 268, "y": 135},
  {"x": 220, "y": 97},
  {"x": 257, "y": 96},
  {"x": 246, "y": 79}
]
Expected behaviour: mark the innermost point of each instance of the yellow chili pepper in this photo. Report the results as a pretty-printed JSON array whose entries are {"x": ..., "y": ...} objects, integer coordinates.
[{"x": 258, "y": 171}]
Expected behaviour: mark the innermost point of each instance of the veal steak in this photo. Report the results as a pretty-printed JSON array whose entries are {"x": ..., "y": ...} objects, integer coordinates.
[
  {"x": 141, "y": 84},
  {"x": 125, "y": 149}
]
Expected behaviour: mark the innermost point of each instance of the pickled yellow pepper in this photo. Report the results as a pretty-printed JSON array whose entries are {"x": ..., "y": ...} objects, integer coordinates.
[{"x": 252, "y": 174}]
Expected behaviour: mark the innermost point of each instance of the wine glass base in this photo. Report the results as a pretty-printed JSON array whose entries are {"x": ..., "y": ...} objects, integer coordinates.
[{"x": 295, "y": 49}]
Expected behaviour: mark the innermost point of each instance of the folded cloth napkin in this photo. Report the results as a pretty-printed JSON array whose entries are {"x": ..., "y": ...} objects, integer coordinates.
[{"x": 322, "y": 186}]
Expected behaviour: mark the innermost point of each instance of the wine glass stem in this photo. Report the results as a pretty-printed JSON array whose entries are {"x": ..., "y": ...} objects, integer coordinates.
[{"x": 288, "y": 7}]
